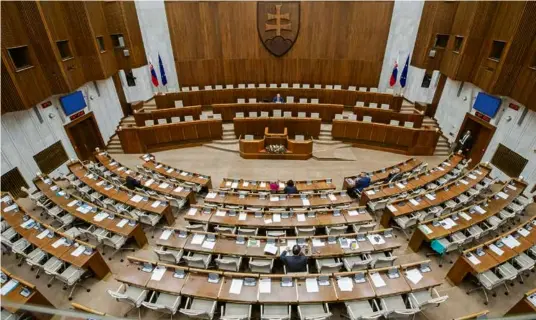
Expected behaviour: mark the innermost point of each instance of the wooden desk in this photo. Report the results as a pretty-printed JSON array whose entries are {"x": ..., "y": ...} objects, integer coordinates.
[
  {"x": 360, "y": 291},
  {"x": 100, "y": 185},
  {"x": 168, "y": 283},
  {"x": 395, "y": 286},
  {"x": 252, "y": 185},
  {"x": 143, "y": 115},
  {"x": 385, "y": 116},
  {"x": 381, "y": 174},
  {"x": 493, "y": 205},
  {"x": 197, "y": 285},
  {"x": 133, "y": 275},
  {"x": 248, "y": 294},
  {"x": 309, "y": 127},
  {"x": 429, "y": 279},
  {"x": 325, "y": 294},
  {"x": 180, "y": 175},
  {"x": 168, "y": 136},
  {"x": 178, "y": 192},
  {"x": 15, "y": 297},
  {"x": 385, "y": 137},
  {"x": 135, "y": 231},
  {"x": 524, "y": 305},
  {"x": 278, "y": 293},
  {"x": 447, "y": 192},
  {"x": 344, "y": 97},
  {"x": 387, "y": 190}
]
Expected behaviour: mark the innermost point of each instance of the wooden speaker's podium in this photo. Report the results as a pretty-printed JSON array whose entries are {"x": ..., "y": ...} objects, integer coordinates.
[{"x": 256, "y": 148}]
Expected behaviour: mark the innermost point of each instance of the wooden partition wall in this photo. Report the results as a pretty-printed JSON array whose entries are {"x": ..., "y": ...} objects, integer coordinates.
[
  {"x": 141, "y": 116},
  {"x": 326, "y": 112},
  {"x": 168, "y": 136},
  {"x": 331, "y": 96},
  {"x": 385, "y": 116},
  {"x": 378, "y": 136},
  {"x": 255, "y": 126}
]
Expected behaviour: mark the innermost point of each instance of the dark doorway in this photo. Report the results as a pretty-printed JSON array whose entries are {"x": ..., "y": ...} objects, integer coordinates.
[
  {"x": 85, "y": 136},
  {"x": 482, "y": 132}
]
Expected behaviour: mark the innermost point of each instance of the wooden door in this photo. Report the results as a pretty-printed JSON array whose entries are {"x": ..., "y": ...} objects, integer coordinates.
[
  {"x": 85, "y": 136},
  {"x": 482, "y": 133}
]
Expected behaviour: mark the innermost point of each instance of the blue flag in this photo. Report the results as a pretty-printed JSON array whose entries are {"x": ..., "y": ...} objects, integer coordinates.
[
  {"x": 162, "y": 71},
  {"x": 404, "y": 74}
]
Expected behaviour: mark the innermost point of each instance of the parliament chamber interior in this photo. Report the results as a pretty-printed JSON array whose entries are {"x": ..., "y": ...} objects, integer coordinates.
[{"x": 274, "y": 160}]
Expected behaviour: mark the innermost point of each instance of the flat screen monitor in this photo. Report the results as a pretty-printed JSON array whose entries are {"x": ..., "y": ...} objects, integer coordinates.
[
  {"x": 487, "y": 104},
  {"x": 73, "y": 102}
]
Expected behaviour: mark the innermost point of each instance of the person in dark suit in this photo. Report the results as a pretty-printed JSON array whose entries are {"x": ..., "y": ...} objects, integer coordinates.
[
  {"x": 295, "y": 263},
  {"x": 394, "y": 175},
  {"x": 361, "y": 183},
  {"x": 466, "y": 143},
  {"x": 132, "y": 183},
  {"x": 278, "y": 99},
  {"x": 290, "y": 188}
]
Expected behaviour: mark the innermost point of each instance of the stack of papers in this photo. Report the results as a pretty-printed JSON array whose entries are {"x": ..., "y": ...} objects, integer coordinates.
[
  {"x": 414, "y": 275},
  {"x": 512, "y": 187},
  {"x": 156, "y": 204},
  {"x": 276, "y": 217},
  {"x": 208, "y": 244},
  {"x": 377, "y": 280},
  {"x": 84, "y": 208},
  {"x": 166, "y": 234},
  {"x": 137, "y": 198},
  {"x": 211, "y": 195},
  {"x": 220, "y": 213},
  {"x": 236, "y": 286},
  {"x": 5, "y": 199},
  {"x": 353, "y": 213},
  {"x": 158, "y": 273},
  {"x": 100, "y": 183},
  {"x": 122, "y": 223},
  {"x": 440, "y": 168},
  {"x": 496, "y": 249},
  {"x": 311, "y": 284},
  {"x": 473, "y": 259},
  {"x": 158, "y": 166},
  {"x": 472, "y": 176},
  {"x": 148, "y": 182},
  {"x": 265, "y": 285},
  {"x": 100, "y": 216},
  {"x": 198, "y": 238},
  {"x": 301, "y": 217},
  {"x": 184, "y": 173},
  {"x": 345, "y": 284},
  {"x": 192, "y": 211},
  {"x": 228, "y": 183},
  {"x": 78, "y": 251}
]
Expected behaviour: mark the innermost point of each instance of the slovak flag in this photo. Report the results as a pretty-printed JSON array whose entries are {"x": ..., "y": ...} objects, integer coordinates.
[
  {"x": 154, "y": 79},
  {"x": 392, "y": 80}
]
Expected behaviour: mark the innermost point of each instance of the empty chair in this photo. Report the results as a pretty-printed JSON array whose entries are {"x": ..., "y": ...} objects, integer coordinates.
[
  {"x": 275, "y": 311},
  {"x": 315, "y": 115},
  {"x": 229, "y": 263},
  {"x": 265, "y": 114},
  {"x": 316, "y": 311},
  {"x": 373, "y": 105},
  {"x": 363, "y": 310},
  {"x": 405, "y": 222},
  {"x": 239, "y": 115},
  {"x": 195, "y": 88},
  {"x": 252, "y": 100},
  {"x": 328, "y": 265},
  {"x": 235, "y": 311},
  {"x": 367, "y": 119},
  {"x": 287, "y": 114},
  {"x": 36, "y": 259},
  {"x": 276, "y": 233},
  {"x": 131, "y": 295},
  {"x": 116, "y": 242},
  {"x": 507, "y": 272},
  {"x": 398, "y": 306},
  {"x": 394, "y": 122},
  {"x": 522, "y": 263},
  {"x": 384, "y": 106},
  {"x": 188, "y": 118},
  {"x": 208, "y": 87},
  {"x": 247, "y": 231},
  {"x": 71, "y": 277},
  {"x": 277, "y": 113},
  {"x": 199, "y": 308},
  {"x": 224, "y": 229},
  {"x": 179, "y": 104},
  {"x": 240, "y": 100},
  {"x": 336, "y": 230},
  {"x": 355, "y": 263},
  {"x": 252, "y": 114},
  {"x": 229, "y": 86},
  {"x": 408, "y": 124},
  {"x": 163, "y": 302},
  {"x": 488, "y": 281},
  {"x": 424, "y": 299},
  {"x": 185, "y": 89},
  {"x": 301, "y": 114},
  {"x": 162, "y": 121},
  {"x": 175, "y": 119},
  {"x": 261, "y": 265},
  {"x": 290, "y": 99},
  {"x": 149, "y": 122},
  {"x": 359, "y": 104},
  {"x": 169, "y": 254},
  {"x": 198, "y": 260},
  {"x": 382, "y": 259},
  {"x": 305, "y": 231}
]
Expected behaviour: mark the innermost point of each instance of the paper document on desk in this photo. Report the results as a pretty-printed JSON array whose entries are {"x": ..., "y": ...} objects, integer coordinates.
[
  {"x": 267, "y": 221},
  {"x": 496, "y": 249},
  {"x": 414, "y": 275},
  {"x": 524, "y": 232},
  {"x": 511, "y": 242},
  {"x": 100, "y": 183},
  {"x": 502, "y": 195},
  {"x": 440, "y": 168},
  {"x": 170, "y": 170},
  {"x": 465, "y": 216},
  {"x": 473, "y": 259},
  {"x": 391, "y": 208},
  {"x": 100, "y": 216},
  {"x": 122, "y": 223},
  {"x": 414, "y": 202},
  {"x": 263, "y": 185},
  {"x": 43, "y": 234},
  {"x": 198, "y": 238},
  {"x": 318, "y": 243},
  {"x": 245, "y": 184},
  {"x": 121, "y": 169},
  {"x": 228, "y": 183},
  {"x": 345, "y": 284},
  {"x": 479, "y": 210},
  {"x": 464, "y": 181},
  {"x": 156, "y": 204},
  {"x": 306, "y": 202},
  {"x": 276, "y": 217},
  {"x": 376, "y": 239},
  {"x": 236, "y": 286},
  {"x": 424, "y": 228},
  {"x": 311, "y": 284},
  {"x": 54, "y": 188},
  {"x": 28, "y": 223},
  {"x": 208, "y": 244},
  {"x": 184, "y": 173},
  {"x": 10, "y": 285},
  {"x": 220, "y": 213},
  {"x": 158, "y": 166},
  {"x": 370, "y": 192},
  {"x": 166, "y": 234},
  {"x": 274, "y": 198},
  {"x": 332, "y": 197},
  {"x": 353, "y": 212},
  {"x": 178, "y": 189},
  {"x": 377, "y": 280},
  {"x": 148, "y": 182},
  {"x": 10, "y": 208},
  {"x": 301, "y": 217},
  {"x": 471, "y": 176},
  {"x": 163, "y": 185},
  {"x": 448, "y": 223},
  {"x": 270, "y": 248},
  {"x": 512, "y": 187},
  {"x": 72, "y": 203},
  {"x": 234, "y": 185},
  {"x": 281, "y": 185},
  {"x": 78, "y": 251},
  {"x": 211, "y": 195},
  {"x": 192, "y": 211},
  {"x": 137, "y": 198},
  {"x": 401, "y": 186},
  {"x": 158, "y": 273},
  {"x": 430, "y": 197},
  {"x": 58, "y": 242},
  {"x": 5, "y": 199},
  {"x": 242, "y": 216},
  {"x": 265, "y": 285}
]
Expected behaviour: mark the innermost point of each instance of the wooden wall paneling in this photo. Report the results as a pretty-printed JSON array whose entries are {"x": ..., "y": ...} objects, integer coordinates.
[
  {"x": 11, "y": 95},
  {"x": 524, "y": 89},
  {"x": 97, "y": 19},
  {"x": 137, "y": 50},
  {"x": 28, "y": 83},
  {"x": 329, "y": 49}
]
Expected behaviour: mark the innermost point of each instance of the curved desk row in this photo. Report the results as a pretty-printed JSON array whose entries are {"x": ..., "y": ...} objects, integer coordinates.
[
  {"x": 168, "y": 136},
  {"x": 190, "y": 177},
  {"x": 386, "y": 116},
  {"x": 382, "y": 174},
  {"x": 253, "y": 185},
  {"x": 209, "y": 97},
  {"x": 141, "y": 116},
  {"x": 385, "y": 137},
  {"x": 309, "y": 127},
  {"x": 325, "y": 111}
]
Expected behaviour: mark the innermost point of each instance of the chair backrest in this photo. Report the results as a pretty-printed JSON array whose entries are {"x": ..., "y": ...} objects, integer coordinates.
[
  {"x": 315, "y": 115},
  {"x": 367, "y": 119},
  {"x": 303, "y": 100},
  {"x": 315, "y": 101},
  {"x": 296, "y": 85},
  {"x": 251, "y": 85},
  {"x": 219, "y": 87},
  {"x": 353, "y": 117},
  {"x": 239, "y": 115},
  {"x": 394, "y": 122},
  {"x": 229, "y": 86},
  {"x": 203, "y": 117},
  {"x": 273, "y": 85},
  {"x": 287, "y": 114},
  {"x": 329, "y": 86},
  {"x": 359, "y": 104},
  {"x": 277, "y": 113},
  {"x": 240, "y": 100},
  {"x": 299, "y": 137},
  {"x": 290, "y": 99},
  {"x": 284, "y": 85},
  {"x": 262, "y": 85},
  {"x": 338, "y": 116},
  {"x": 306, "y": 86},
  {"x": 385, "y": 106},
  {"x": 373, "y": 89},
  {"x": 217, "y": 116},
  {"x": 252, "y": 100},
  {"x": 265, "y": 114},
  {"x": 337, "y": 87},
  {"x": 149, "y": 122},
  {"x": 175, "y": 119},
  {"x": 253, "y": 114},
  {"x": 408, "y": 124},
  {"x": 178, "y": 104},
  {"x": 208, "y": 87},
  {"x": 248, "y": 137},
  {"x": 195, "y": 88},
  {"x": 301, "y": 114},
  {"x": 363, "y": 89},
  {"x": 188, "y": 118},
  {"x": 185, "y": 89},
  {"x": 241, "y": 86},
  {"x": 352, "y": 88},
  {"x": 389, "y": 91},
  {"x": 373, "y": 105}
]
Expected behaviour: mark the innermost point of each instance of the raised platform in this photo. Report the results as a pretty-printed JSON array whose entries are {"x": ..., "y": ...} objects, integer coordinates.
[{"x": 275, "y": 156}]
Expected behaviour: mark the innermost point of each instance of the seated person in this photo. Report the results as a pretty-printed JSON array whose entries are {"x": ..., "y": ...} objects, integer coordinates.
[
  {"x": 361, "y": 182},
  {"x": 295, "y": 263},
  {"x": 290, "y": 188},
  {"x": 132, "y": 183},
  {"x": 278, "y": 99},
  {"x": 393, "y": 175},
  {"x": 274, "y": 186}
]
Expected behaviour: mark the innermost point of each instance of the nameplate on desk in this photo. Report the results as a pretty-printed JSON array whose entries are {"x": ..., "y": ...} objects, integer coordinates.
[
  {"x": 440, "y": 168},
  {"x": 159, "y": 166},
  {"x": 400, "y": 185},
  {"x": 163, "y": 185},
  {"x": 274, "y": 198},
  {"x": 265, "y": 285},
  {"x": 479, "y": 209}
]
